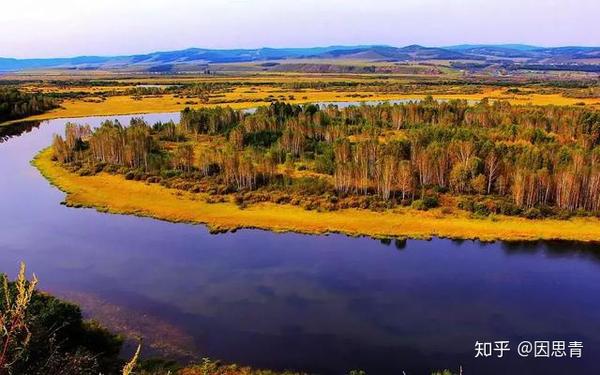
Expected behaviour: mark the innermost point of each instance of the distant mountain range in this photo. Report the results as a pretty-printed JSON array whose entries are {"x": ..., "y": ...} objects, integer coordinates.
[{"x": 199, "y": 57}]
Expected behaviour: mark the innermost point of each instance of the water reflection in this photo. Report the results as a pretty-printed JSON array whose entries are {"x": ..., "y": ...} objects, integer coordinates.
[
  {"x": 400, "y": 243},
  {"x": 554, "y": 249},
  {"x": 17, "y": 129}
]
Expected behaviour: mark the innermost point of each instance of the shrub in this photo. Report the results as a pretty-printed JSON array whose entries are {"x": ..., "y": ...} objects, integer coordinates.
[
  {"x": 467, "y": 204},
  {"x": 547, "y": 211},
  {"x": 55, "y": 339},
  {"x": 564, "y": 215},
  {"x": 86, "y": 171},
  {"x": 582, "y": 213},
  {"x": 447, "y": 210},
  {"x": 508, "y": 208},
  {"x": 153, "y": 179},
  {"x": 99, "y": 167},
  {"x": 170, "y": 173},
  {"x": 480, "y": 209},
  {"x": 532, "y": 213},
  {"x": 431, "y": 201},
  {"x": 418, "y": 204},
  {"x": 238, "y": 199}
]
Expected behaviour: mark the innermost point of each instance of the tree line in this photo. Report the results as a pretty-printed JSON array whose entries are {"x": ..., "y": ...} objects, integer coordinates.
[
  {"x": 15, "y": 104},
  {"x": 533, "y": 157}
]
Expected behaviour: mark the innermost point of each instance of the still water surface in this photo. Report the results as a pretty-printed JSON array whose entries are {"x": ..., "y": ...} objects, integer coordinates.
[{"x": 326, "y": 304}]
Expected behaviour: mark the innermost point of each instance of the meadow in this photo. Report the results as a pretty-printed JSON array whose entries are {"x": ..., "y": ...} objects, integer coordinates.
[{"x": 115, "y": 94}]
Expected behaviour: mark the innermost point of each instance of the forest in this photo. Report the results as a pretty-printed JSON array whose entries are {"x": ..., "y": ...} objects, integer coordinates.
[
  {"x": 15, "y": 104},
  {"x": 487, "y": 158}
]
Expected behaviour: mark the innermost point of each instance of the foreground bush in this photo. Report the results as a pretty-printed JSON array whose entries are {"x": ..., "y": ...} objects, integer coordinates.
[{"x": 44, "y": 335}]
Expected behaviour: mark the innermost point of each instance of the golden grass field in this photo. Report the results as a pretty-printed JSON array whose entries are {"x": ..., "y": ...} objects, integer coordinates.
[
  {"x": 254, "y": 90},
  {"x": 121, "y": 105},
  {"x": 114, "y": 194}
]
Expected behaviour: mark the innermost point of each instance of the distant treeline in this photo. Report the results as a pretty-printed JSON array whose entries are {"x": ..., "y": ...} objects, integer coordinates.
[
  {"x": 15, "y": 104},
  {"x": 590, "y": 68},
  {"x": 497, "y": 158}
]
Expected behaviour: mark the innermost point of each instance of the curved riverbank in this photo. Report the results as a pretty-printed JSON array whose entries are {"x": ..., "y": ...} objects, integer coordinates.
[{"x": 114, "y": 194}]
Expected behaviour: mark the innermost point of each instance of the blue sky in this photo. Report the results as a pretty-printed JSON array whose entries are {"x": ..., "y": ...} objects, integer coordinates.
[{"x": 34, "y": 28}]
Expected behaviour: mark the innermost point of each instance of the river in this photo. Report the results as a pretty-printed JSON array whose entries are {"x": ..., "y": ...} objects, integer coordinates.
[{"x": 325, "y": 304}]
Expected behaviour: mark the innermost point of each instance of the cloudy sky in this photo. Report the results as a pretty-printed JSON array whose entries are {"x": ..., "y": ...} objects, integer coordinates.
[{"x": 35, "y": 28}]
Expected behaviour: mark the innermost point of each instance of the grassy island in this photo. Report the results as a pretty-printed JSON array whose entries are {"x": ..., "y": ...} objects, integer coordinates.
[
  {"x": 448, "y": 169},
  {"x": 115, "y": 194}
]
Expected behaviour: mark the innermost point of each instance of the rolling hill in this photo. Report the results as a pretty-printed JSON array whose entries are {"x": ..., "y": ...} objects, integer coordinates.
[{"x": 199, "y": 58}]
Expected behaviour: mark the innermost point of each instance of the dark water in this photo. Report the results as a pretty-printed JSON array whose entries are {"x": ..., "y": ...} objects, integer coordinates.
[{"x": 326, "y": 304}]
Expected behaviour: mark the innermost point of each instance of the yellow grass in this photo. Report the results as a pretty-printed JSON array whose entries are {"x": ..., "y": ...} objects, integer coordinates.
[
  {"x": 120, "y": 105},
  {"x": 110, "y": 193},
  {"x": 252, "y": 90}
]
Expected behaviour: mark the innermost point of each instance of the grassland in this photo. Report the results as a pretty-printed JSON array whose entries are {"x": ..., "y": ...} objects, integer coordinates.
[
  {"x": 120, "y": 105},
  {"x": 83, "y": 97},
  {"x": 114, "y": 194}
]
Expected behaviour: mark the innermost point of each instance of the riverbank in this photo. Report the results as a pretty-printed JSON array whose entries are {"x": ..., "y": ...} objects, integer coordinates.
[{"x": 114, "y": 194}]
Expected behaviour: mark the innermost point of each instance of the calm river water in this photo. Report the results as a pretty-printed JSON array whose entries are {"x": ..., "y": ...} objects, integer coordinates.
[{"x": 325, "y": 304}]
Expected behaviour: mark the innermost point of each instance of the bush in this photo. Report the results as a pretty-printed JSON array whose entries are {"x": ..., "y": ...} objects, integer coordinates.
[
  {"x": 99, "y": 167},
  {"x": 426, "y": 203},
  {"x": 310, "y": 186},
  {"x": 480, "y": 209},
  {"x": 583, "y": 213},
  {"x": 532, "y": 213},
  {"x": 170, "y": 173},
  {"x": 547, "y": 211},
  {"x": 60, "y": 341},
  {"x": 431, "y": 201},
  {"x": 564, "y": 215},
  {"x": 238, "y": 199},
  {"x": 447, "y": 210},
  {"x": 86, "y": 171},
  {"x": 111, "y": 168},
  {"x": 489, "y": 205},
  {"x": 153, "y": 179},
  {"x": 508, "y": 208},
  {"x": 419, "y": 204},
  {"x": 467, "y": 204}
]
